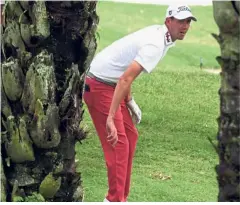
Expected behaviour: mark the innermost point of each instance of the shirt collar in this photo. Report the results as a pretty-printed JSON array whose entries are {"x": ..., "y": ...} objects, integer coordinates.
[{"x": 167, "y": 37}]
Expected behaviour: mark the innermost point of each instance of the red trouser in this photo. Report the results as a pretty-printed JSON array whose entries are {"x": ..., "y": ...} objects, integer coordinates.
[{"x": 119, "y": 158}]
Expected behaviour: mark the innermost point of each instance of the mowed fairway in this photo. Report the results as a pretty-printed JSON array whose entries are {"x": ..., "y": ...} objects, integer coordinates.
[{"x": 174, "y": 160}]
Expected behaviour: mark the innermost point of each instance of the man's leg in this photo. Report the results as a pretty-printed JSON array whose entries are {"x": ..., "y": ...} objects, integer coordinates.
[
  {"x": 132, "y": 135},
  {"x": 116, "y": 157}
]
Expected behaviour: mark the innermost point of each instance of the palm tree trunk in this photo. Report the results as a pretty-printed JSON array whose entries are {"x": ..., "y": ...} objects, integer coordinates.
[
  {"x": 46, "y": 48},
  {"x": 227, "y": 17}
]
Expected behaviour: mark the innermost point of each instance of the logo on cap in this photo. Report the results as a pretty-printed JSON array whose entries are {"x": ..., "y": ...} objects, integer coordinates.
[
  {"x": 170, "y": 12},
  {"x": 183, "y": 8}
]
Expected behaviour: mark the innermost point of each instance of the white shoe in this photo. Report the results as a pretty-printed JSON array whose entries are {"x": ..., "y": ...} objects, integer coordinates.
[{"x": 105, "y": 200}]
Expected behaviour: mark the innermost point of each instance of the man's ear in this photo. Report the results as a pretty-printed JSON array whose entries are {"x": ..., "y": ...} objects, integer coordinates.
[{"x": 167, "y": 21}]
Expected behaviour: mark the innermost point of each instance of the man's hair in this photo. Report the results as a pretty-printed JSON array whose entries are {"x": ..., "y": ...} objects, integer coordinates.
[{"x": 170, "y": 18}]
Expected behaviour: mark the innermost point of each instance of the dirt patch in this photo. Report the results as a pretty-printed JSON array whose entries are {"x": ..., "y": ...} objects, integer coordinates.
[
  {"x": 160, "y": 175},
  {"x": 213, "y": 71}
]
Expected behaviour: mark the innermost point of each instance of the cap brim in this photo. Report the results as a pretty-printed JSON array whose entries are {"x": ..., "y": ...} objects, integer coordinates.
[{"x": 185, "y": 16}]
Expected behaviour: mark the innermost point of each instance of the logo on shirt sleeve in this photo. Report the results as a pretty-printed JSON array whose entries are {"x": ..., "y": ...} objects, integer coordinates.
[{"x": 168, "y": 38}]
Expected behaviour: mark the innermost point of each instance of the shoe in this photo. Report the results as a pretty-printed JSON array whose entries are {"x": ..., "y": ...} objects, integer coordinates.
[{"x": 105, "y": 200}]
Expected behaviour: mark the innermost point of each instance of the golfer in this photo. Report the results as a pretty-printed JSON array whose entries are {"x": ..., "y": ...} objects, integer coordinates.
[{"x": 108, "y": 92}]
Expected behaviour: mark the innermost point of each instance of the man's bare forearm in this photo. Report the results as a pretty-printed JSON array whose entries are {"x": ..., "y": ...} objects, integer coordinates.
[{"x": 122, "y": 90}]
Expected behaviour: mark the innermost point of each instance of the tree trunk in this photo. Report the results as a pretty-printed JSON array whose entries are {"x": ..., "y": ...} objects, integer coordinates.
[
  {"x": 226, "y": 15},
  {"x": 46, "y": 48}
]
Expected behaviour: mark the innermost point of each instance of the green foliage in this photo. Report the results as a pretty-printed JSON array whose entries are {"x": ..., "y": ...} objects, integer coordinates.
[
  {"x": 98, "y": 36},
  {"x": 35, "y": 197},
  {"x": 17, "y": 199},
  {"x": 50, "y": 186}
]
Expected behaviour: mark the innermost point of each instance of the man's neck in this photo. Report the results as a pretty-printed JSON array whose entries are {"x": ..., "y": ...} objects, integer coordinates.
[{"x": 169, "y": 30}]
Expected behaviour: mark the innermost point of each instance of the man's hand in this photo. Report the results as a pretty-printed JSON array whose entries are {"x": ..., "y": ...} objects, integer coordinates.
[
  {"x": 135, "y": 111},
  {"x": 112, "y": 137}
]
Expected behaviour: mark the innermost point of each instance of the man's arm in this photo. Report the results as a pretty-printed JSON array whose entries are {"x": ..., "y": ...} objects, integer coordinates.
[{"x": 122, "y": 89}]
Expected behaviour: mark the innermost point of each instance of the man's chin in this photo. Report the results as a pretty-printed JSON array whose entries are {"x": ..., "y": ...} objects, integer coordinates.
[{"x": 181, "y": 37}]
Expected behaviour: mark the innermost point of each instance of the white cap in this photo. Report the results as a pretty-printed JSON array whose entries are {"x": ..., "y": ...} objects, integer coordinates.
[{"x": 180, "y": 12}]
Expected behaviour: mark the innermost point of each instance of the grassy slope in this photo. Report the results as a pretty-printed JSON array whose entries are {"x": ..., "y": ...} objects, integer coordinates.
[{"x": 180, "y": 106}]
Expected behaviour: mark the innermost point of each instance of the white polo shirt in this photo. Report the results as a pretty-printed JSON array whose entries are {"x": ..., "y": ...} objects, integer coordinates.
[{"x": 146, "y": 46}]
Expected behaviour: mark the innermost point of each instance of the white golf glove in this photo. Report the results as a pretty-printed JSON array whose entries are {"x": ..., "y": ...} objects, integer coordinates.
[{"x": 135, "y": 111}]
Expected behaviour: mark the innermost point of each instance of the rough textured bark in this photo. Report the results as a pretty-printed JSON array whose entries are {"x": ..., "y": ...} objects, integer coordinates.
[
  {"x": 46, "y": 48},
  {"x": 226, "y": 15}
]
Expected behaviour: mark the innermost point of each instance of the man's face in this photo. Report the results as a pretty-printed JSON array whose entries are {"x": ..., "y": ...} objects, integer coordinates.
[{"x": 178, "y": 28}]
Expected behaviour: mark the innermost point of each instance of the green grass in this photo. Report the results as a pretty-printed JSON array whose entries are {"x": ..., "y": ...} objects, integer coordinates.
[{"x": 179, "y": 105}]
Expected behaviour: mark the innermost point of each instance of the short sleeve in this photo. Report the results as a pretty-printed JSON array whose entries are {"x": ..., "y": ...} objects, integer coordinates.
[{"x": 149, "y": 56}]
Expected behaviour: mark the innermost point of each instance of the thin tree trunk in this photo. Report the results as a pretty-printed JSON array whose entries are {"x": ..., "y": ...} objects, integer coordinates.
[
  {"x": 46, "y": 48},
  {"x": 226, "y": 15}
]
